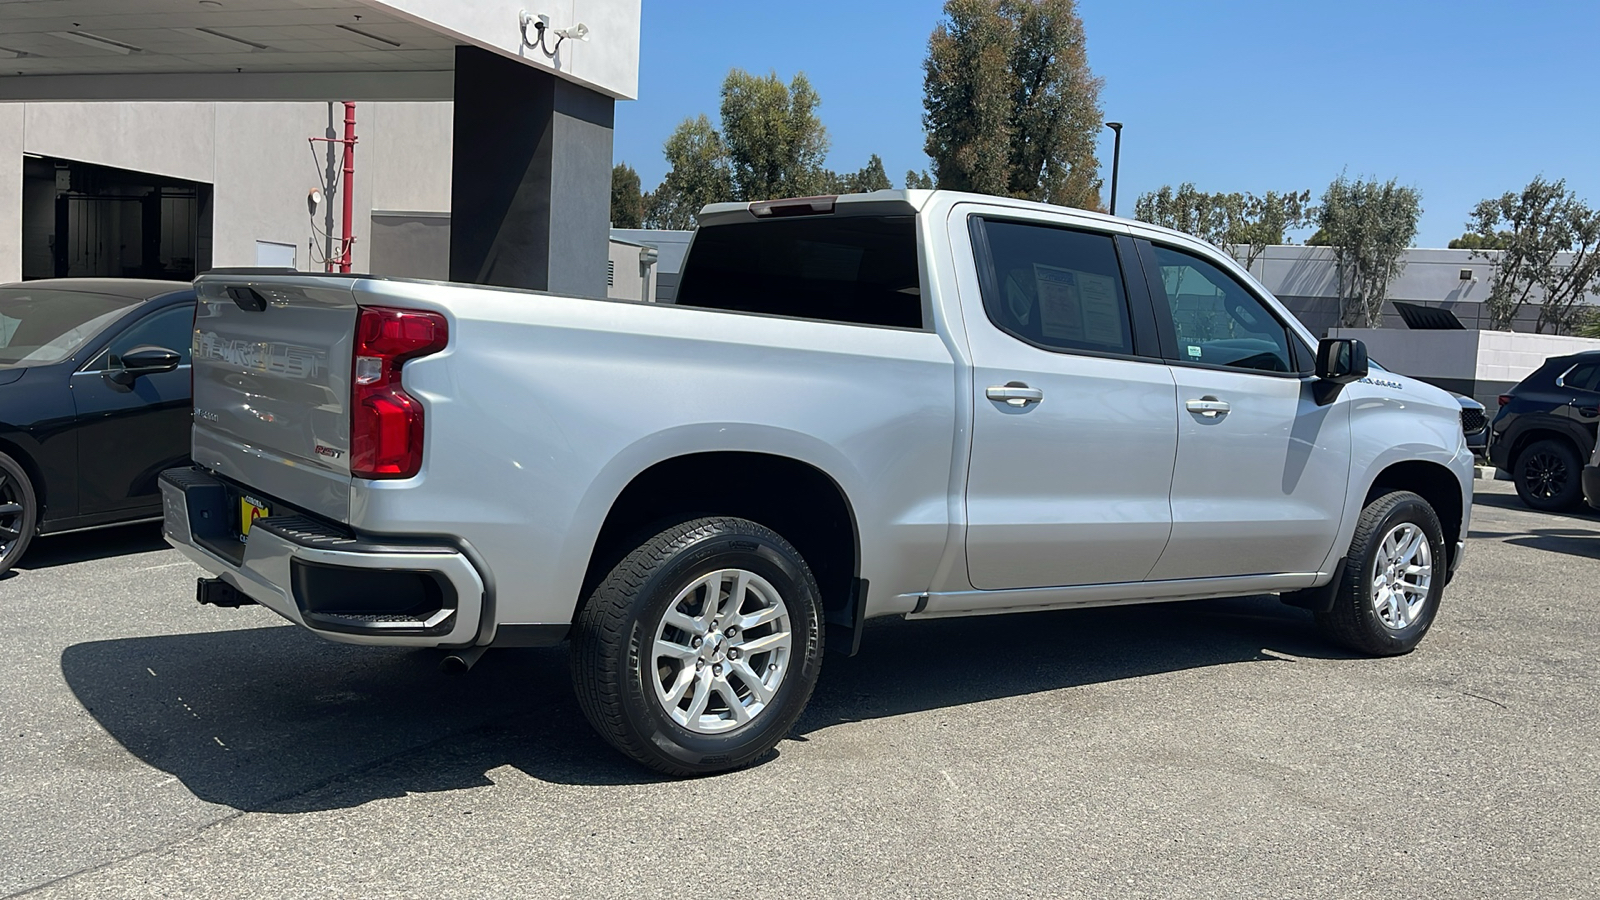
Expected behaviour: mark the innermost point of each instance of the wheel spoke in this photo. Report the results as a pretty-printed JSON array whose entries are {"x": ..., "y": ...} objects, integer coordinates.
[
  {"x": 679, "y": 687},
  {"x": 735, "y": 704},
  {"x": 751, "y": 680},
  {"x": 10, "y": 509},
  {"x": 760, "y": 617},
  {"x": 702, "y": 696},
  {"x": 675, "y": 650},
  {"x": 681, "y": 620},
  {"x": 774, "y": 641},
  {"x": 10, "y": 532}
]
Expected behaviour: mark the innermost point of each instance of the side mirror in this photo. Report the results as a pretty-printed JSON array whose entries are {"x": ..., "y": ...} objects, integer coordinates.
[
  {"x": 145, "y": 360},
  {"x": 1340, "y": 361}
]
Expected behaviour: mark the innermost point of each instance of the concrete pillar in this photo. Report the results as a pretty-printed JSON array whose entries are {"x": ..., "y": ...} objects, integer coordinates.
[{"x": 530, "y": 195}]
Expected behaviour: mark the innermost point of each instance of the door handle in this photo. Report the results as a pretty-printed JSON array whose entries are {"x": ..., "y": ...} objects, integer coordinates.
[
  {"x": 1208, "y": 406},
  {"x": 1015, "y": 393}
]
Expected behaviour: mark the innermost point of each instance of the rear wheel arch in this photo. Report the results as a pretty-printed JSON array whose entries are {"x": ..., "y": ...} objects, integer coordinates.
[
  {"x": 799, "y": 501},
  {"x": 1433, "y": 482},
  {"x": 1531, "y": 434}
]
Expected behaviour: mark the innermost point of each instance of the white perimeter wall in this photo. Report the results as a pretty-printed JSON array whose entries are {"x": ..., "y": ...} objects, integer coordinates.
[{"x": 254, "y": 155}]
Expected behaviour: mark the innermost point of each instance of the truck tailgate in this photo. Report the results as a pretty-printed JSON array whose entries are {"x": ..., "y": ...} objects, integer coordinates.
[{"x": 272, "y": 364}]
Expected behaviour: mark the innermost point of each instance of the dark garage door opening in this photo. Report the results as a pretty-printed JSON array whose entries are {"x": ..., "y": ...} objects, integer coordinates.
[{"x": 83, "y": 220}]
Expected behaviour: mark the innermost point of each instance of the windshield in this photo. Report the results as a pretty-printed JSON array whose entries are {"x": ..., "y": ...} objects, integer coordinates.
[{"x": 40, "y": 327}]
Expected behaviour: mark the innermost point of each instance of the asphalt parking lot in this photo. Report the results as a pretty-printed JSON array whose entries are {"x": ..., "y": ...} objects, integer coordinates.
[{"x": 154, "y": 748}]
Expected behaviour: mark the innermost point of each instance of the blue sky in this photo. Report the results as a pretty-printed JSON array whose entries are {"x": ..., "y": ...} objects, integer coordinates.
[{"x": 1462, "y": 100}]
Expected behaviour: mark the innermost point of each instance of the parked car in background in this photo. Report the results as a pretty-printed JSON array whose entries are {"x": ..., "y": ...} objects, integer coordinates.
[
  {"x": 1546, "y": 429},
  {"x": 94, "y": 403},
  {"x": 1475, "y": 425}
]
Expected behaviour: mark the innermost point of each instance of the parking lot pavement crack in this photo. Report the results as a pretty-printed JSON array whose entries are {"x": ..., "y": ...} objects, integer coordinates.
[
  {"x": 1485, "y": 699},
  {"x": 265, "y": 807}
]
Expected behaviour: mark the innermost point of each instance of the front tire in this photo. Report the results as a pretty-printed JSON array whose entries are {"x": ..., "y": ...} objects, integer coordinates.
[
  {"x": 19, "y": 513},
  {"x": 697, "y": 653},
  {"x": 1547, "y": 476},
  {"x": 1393, "y": 578}
]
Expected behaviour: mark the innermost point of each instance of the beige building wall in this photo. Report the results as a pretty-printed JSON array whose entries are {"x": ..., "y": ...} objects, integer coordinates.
[{"x": 255, "y": 155}]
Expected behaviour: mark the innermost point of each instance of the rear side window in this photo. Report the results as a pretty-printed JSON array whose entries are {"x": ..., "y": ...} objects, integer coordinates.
[
  {"x": 1056, "y": 288},
  {"x": 1582, "y": 376},
  {"x": 856, "y": 269}
]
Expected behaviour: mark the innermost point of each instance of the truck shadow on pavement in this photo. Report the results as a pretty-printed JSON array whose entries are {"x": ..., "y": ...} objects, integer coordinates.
[{"x": 277, "y": 720}]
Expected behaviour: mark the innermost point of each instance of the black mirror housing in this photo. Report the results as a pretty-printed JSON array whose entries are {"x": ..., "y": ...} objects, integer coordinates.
[
  {"x": 145, "y": 360},
  {"x": 1341, "y": 360}
]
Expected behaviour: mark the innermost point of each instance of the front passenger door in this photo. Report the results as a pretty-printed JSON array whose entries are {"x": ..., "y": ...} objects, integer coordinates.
[
  {"x": 1262, "y": 469},
  {"x": 128, "y": 433}
]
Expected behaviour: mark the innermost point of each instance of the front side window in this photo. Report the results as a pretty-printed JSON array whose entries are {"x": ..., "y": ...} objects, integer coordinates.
[
  {"x": 1056, "y": 288},
  {"x": 1217, "y": 322},
  {"x": 170, "y": 329}
]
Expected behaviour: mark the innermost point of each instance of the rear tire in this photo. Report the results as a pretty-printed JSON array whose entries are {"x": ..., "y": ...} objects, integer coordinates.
[
  {"x": 1393, "y": 578},
  {"x": 698, "y": 651},
  {"x": 1547, "y": 475},
  {"x": 19, "y": 513}
]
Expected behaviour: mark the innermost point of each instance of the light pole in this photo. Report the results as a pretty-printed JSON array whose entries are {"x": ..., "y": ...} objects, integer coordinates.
[{"x": 1116, "y": 160}]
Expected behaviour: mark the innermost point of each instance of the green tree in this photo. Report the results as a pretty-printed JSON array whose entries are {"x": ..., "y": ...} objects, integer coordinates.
[
  {"x": 776, "y": 144},
  {"x": 1474, "y": 241},
  {"x": 698, "y": 174},
  {"x": 1369, "y": 225},
  {"x": 1550, "y": 244},
  {"x": 918, "y": 181},
  {"x": 627, "y": 198},
  {"x": 1242, "y": 224},
  {"x": 1010, "y": 105},
  {"x": 870, "y": 178}
]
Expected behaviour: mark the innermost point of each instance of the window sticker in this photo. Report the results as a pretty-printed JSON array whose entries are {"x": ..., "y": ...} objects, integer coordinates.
[
  {"x": 1194, "y": 352},
  {"x": 1078, "y": 306}
]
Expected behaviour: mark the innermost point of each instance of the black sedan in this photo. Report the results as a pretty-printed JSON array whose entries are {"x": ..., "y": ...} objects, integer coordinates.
[{"x": 94, "y": 403}]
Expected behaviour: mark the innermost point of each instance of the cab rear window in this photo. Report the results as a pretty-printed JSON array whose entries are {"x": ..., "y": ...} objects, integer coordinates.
[{"x": 860, "y": 270}]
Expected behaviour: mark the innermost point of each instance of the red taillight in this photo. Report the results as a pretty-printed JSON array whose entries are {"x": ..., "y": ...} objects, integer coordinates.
[
  {"x": 385, "y": 421},
  {"x": 1504, "y": 399}
]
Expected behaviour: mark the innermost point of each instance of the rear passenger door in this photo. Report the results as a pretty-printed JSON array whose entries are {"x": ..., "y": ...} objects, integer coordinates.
[
  {"x": 1074, "y": 427},
  {"x": 1260, "y": 480}
]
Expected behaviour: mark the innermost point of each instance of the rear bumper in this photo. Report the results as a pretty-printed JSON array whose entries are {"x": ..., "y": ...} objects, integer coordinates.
[{"x": 345, "y": 588}]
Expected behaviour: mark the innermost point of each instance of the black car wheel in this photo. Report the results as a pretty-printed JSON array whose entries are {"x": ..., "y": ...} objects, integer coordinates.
[
  {"x": 1546, "y": 476},
  {"x": 19, "y": 513}
]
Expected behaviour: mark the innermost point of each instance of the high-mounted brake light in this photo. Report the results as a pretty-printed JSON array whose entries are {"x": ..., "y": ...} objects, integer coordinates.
[
  {"x": 385, "y": 421},
  {"x": 799, "y": 206}
]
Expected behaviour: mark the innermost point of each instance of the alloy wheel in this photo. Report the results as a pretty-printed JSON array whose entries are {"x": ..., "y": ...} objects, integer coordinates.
[
  {"x": 721, "y": 651},
  {"x": 1546, "y": 475},
  {"x": 1402, "y": 575}
]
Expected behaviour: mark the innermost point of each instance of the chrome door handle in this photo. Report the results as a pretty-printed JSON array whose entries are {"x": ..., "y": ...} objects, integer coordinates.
[
  {"x": 1015, "y": 393},
  {"x": 1210, "y": 407}
]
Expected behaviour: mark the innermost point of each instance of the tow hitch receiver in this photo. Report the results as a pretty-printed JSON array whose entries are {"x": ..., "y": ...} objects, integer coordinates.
[{"x": 216, "y": 592}]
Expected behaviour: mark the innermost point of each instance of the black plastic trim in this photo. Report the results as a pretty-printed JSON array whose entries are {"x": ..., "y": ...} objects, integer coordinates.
[
  {"x": 1318, "y": 599},
  {"x": 530, "y": 635},
  {"x": 844, "y": 626}
]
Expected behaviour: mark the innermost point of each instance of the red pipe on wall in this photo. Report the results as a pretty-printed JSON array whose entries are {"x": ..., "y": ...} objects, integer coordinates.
[{"x": 348, "y": 188}]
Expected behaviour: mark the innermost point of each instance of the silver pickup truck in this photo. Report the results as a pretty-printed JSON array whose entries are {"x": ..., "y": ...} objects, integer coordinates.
[{"x": 907, "y": 403}]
